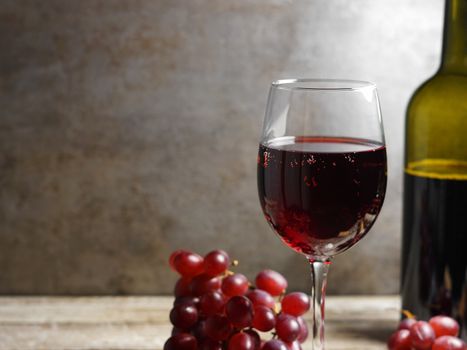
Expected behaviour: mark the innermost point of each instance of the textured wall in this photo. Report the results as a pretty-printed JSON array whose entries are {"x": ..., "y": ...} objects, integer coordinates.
[{"x": 129, "y": 128}]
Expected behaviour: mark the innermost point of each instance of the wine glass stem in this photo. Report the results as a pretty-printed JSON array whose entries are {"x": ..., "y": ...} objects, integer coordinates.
[{"x": 319, "y": 272}]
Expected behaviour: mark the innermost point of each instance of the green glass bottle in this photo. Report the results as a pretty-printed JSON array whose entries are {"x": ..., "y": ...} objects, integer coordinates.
[{"x": 434, "y": 253}]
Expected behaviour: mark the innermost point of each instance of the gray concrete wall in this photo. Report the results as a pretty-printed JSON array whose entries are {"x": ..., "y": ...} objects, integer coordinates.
[{"x": 129, "y": 129}]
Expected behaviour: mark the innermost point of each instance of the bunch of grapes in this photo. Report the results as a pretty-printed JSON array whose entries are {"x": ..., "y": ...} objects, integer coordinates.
[
  {"x": 216, "y": 309},
  {"x": 439, "y": 333}
]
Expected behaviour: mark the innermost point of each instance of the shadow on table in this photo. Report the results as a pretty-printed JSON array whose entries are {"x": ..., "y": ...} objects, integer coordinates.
[
  {"x": 367, "y": 330},
  {"x": 381, "y": 335}
]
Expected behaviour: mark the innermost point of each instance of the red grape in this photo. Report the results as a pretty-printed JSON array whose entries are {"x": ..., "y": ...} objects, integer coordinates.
[
  {"x": 422, "y": 335},
  {"x": 406, "y": 323},
  {"x": 216, "y": 262},
  {"x": 199, "y": 331},
  {"x": 444, "y": 325},
  {"x": 271, "y": 281},
  {"x": 173, "y": 256},
  {"x": 260, "y": 297},
  {"x": 218, "y": 327},
  {"x": 181, "y": 341},
  {"x": 274, "y": 344},
  {"x": 193, "y": 301},
  {"x": 264, "y": 319},
  {"x": 184, "y": 316},
  {"x": 188, "y": 264},
  {"x": 239, "y": 311},
  {"x": 209, "y": 344},
  {"x": 400, "y": 340},
  {"x": 303, "y": 330},
  {"x": 211, "y": 303},
  {"x": 234, "y": 285},
  {"x": 203, "y": 284},
  {"x": 287, "y": 328},
  {"x": 295, "y": 304},
  {"x": 241, "y": 341},
  {"x": 182, "y": 287},
  {"x": 448, "y": 342},
  {"x": 255, "y": 336}
]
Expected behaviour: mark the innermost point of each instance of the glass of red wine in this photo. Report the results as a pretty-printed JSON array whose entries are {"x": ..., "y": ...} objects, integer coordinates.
[{"x": 321, "y": 171}]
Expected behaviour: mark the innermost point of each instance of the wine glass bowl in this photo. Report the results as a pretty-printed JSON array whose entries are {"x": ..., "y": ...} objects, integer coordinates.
[
  {"x": 322, "y": 170},
  {"x": 321, "y": 195}
]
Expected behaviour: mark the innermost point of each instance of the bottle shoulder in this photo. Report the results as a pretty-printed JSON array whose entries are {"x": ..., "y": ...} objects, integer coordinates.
[
  {"x": 443, "y": 93},
  {"x": 437, "y": 120}
]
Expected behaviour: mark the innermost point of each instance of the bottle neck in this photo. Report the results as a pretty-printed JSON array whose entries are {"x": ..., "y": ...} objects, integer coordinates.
[{"x": 454, "y": 57}]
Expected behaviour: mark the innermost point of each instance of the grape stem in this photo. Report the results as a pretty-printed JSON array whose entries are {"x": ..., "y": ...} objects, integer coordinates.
[
  {"x": 319, "y": 272},
  {"x": 407, "y": 314}
]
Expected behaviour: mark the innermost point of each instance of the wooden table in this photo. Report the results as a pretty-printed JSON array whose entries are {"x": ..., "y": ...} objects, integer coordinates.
[{"x": 115, "y": 323}]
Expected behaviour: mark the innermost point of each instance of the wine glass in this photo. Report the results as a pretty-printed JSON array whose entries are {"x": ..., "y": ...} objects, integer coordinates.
[{"x": 321, "y": 171}]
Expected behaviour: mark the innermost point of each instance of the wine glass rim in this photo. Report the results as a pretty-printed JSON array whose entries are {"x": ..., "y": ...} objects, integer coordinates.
[{"x": 323, "y": 84}]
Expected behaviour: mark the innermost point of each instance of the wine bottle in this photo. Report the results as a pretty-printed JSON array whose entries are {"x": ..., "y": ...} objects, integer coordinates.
[{"x": 434, "y": 244}]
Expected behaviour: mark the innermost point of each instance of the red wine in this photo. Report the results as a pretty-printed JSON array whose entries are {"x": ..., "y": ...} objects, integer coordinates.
[
  {"x": 434, "y": 259},
  {"x": 321, "y": 195}
]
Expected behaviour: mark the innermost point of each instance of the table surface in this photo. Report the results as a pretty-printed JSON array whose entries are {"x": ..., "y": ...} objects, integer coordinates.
[{"x": 130, "y": 323}]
